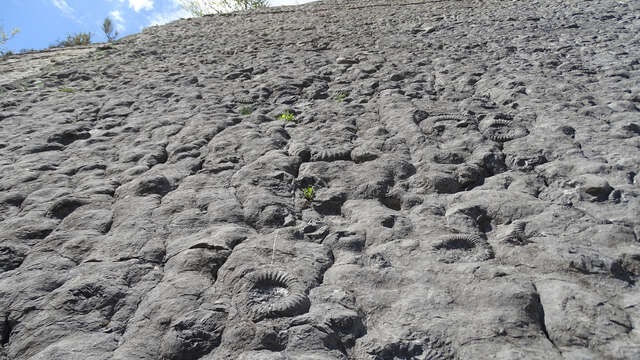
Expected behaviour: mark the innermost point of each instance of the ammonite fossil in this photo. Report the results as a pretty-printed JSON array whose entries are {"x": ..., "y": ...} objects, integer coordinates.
[{"x": 274, "y": 293}]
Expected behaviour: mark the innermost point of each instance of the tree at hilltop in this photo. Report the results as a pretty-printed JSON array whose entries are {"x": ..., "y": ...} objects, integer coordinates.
[{"x": 109, "y": 30}]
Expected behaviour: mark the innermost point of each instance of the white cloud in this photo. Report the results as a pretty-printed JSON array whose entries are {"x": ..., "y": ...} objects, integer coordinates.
[
  {"x": 115, "y": 14},
  {"x": 119, "y": 20},
  {"x": 206, "y": 6},
  {"x": 64, "y": 7},
  {"x": 166, "y": 17},
  {"x": 138, "y": 5}
]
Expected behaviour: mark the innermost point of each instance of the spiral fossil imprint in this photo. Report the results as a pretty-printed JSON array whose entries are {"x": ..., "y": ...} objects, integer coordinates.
[
  {"x": 516, "y": 235},
  {"x": 502, "y": 130},
  {"x": 423, "y": 348},
  {"x": 331, "y": 154},
  {"x": 446, "y": 117},
  {"x": 274, "y": 293},
  {"x": 464, "y": 248},
  {"x": 458, "y": 241}
]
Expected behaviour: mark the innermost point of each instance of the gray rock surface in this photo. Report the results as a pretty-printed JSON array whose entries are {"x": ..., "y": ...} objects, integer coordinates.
[{"x": 474, "y": 167}]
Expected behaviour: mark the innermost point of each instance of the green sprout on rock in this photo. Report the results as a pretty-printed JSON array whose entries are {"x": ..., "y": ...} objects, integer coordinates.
[
  {"x": 341, "y": 97},
  {"x": 246, "y": 110},
  {"x": 67, "y": 90},
  {"x": 287, "y": 116},
  {"x": 308, "y": 193}
]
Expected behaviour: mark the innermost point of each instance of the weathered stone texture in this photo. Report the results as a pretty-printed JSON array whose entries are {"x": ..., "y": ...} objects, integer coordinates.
[{"x": 474, "y": 167}]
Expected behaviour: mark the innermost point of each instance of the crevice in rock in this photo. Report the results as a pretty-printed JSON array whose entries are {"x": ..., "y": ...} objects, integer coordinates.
[
  {"x": 627, "y": 268},
  {"x": 543, "y": 326},
  {"x": 127, "y": 258},
  {"x": 329, "y": 207},
  {"x": 123, "y": 329},
  {"x": 393, "y": 202},
  {"x": 64, "y": 207},
  {"x": 6, "y": 327},
  {"x": 388, "y": 221},
  {"x": 12, "y": 258},
  {"x": 107, "y": 226},
  {"x": 535, "y": 310}
]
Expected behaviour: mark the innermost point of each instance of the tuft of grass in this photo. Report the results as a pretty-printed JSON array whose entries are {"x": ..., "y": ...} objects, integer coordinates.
[
  {"x": 67, "y": 90},
  {"x": 246, "y": 110},
  {"x": 308, "y": 193},
  {"x": 341, "y": 97},
  {"x": 288, "y": 116},
  {"x": 74, "y": 40}
]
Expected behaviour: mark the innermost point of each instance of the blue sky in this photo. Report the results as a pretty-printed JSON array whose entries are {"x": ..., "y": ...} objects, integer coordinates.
[{"x": 43, "y": 22}]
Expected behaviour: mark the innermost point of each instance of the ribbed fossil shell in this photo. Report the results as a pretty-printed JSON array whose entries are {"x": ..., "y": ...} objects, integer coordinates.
[
  {"x": 498, "y": 123},
  {"x": 463, "y": 248},
  {"x": 518, "y": 227},
  {"x": 334, "y": 154},
  {"x": 445, "y": 117},
  {"x": 516, "y": 235},
  {"x": 274, "y": 293},
  {"x": 458, "y": 241},
  {"x": 500, "y": 130},
  {"x": 430, "y": 124},
  {"x": 244, "y": 100}
]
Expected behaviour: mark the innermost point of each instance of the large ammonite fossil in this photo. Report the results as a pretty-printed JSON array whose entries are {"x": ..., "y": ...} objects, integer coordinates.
[{"x": 274, "y": 293}]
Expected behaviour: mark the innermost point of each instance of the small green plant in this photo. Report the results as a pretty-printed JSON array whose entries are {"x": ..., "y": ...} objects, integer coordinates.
[
  {"x": 308, "y": 193},
  {"x": 74, "y": 40},
  {"x": 246, "y": 110},
  {"x": 4, "y": 37},
  {"x": 288, "y": 116},
  {"x": 67, "y": 90},
  {"x": 341, "y": 97}
]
